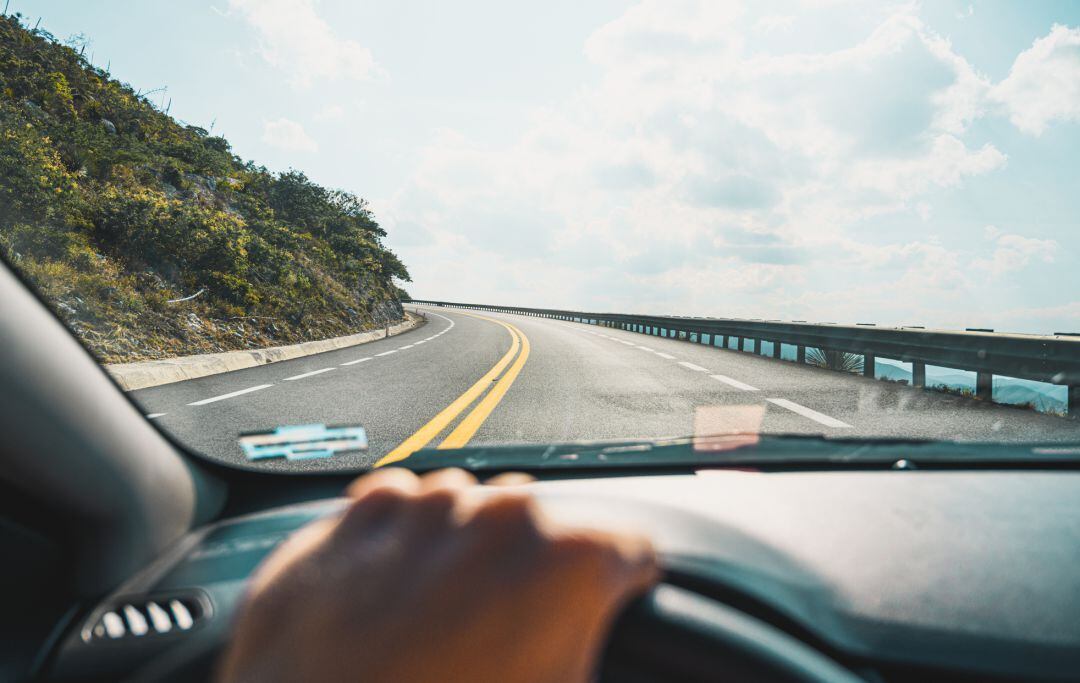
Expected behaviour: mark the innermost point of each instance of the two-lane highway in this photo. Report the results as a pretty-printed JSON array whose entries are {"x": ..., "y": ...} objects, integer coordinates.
[
  {"x": 392, "y": 387},
  {"x": 466, "y": 378}
]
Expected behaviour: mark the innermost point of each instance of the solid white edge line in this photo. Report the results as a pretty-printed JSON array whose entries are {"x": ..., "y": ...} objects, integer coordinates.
[
  {"x": 733, "y": 382},
  {"x": 645, "y": 348},
  {"x": 307, "y": 374},
  {"x": 407, "y": 346},
  {"x": 358, "y": 360},
  {"x": 691, "y": 366},
  {"x": 151, "y": 416},
  {"x": 807, "y": 412},
  {"x": 664, "y": 355},
  {"x": 385, "y": 353},
  {"x": 229, "y": 395}
]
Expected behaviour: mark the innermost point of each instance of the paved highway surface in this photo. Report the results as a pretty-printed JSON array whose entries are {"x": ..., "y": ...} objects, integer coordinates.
[{"x": 495, "y": 378}]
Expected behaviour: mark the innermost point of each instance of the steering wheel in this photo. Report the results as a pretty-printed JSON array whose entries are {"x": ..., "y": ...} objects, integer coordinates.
[
  {"x": 668, "y": 634},
  {"x": 674, "y": 634}
]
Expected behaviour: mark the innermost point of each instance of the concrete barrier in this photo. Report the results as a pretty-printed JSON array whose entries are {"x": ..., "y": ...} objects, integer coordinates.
[{"x": 131, "y": 376}]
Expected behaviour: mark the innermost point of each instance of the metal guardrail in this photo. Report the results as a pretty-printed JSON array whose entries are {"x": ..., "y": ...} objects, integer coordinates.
[{"x": 1045, "y": 358}]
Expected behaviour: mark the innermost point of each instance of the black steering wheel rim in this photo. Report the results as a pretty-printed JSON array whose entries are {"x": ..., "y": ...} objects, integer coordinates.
[{"x": 672, "y": 633}]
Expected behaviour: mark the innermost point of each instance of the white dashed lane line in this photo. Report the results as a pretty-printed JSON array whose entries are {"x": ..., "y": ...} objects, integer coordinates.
[
  {"x": 358, "y": 360},
  {"x": 230, "y": 395},
  {"x": 307, "y": 374},
  {"x": 241, "y": 392},
  {"x": 814, "y": 415},
  {"x": 151, "y": 416},
  {"x": 733, "y": 382},
  {"x": 691, "y": 366},
  {"x": 794, "y": 407}
]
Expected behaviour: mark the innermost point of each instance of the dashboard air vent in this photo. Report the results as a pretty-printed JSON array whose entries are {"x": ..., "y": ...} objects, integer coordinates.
[{"x": 147, "y": 617}]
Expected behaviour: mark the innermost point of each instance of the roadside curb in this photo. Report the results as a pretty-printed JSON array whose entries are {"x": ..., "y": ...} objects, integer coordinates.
[{"x": 131, "y": 376}]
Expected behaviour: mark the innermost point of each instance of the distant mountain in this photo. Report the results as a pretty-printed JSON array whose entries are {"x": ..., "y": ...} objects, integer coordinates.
[
  {"x": 1021, "y": 391},
  {"x": 892, "y": 372},
  {"x": 1042, "y": 396}
]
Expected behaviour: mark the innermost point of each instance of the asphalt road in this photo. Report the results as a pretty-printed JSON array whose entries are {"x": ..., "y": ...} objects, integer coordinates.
[{"x": 499, "y": 378}]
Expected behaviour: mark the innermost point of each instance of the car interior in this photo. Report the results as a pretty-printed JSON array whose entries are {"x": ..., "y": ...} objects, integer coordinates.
[{"x": 126, "y": 555}]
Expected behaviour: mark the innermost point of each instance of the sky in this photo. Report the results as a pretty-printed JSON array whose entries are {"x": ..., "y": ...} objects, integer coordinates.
[{"x": 822, "y": 160}]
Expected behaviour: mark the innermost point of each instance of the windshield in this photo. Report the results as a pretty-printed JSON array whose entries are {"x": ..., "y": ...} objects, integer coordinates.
[{"x": 328, "y": 235}]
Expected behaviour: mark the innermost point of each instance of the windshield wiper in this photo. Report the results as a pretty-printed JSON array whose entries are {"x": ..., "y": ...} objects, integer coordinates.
[{"x": 746, "y": 450}]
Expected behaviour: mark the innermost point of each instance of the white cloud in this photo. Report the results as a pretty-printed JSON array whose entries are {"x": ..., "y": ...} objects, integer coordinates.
[
  {"x": 771, "y": 23},
  {"x": 1059, "y": 318},
  {"x": 296, "y": 40},
  {"x": 331, "y": 112},
  {"x": 699, "y": 169},
  {"x": 1043, "y": 85},
  {"x": 1014, "y": 252},
  {"x": 288, "y": 135}
]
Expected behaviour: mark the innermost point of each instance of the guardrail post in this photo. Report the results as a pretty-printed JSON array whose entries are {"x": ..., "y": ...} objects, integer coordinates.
[
  {"x": 1073, "y": 403},
  {"x": 776, "y": 349},
  {"x": 869, "y": 366},
  {"x": 918, "y": 374},
  {"x": 756, "y": 346},
  {"x": 800, "y": 354},
  {"x": 984, "y": 386}
]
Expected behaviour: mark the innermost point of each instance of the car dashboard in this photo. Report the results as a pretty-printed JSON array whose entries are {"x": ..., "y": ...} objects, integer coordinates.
[{"x": 896, "y": 575}]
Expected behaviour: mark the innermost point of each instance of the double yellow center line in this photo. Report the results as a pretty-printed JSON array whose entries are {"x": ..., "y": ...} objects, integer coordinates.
[{"x": 471, "y": 422}]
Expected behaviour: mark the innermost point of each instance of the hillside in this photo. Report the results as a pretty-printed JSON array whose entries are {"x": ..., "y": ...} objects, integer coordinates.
[{"x": 115, "y": 211}]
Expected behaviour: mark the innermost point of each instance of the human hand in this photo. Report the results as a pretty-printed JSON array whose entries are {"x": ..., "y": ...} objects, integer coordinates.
[{"x": 422, "y": 579}]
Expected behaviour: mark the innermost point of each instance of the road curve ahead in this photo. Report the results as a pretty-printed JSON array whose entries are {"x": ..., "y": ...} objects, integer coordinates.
[{"x": 469, "y": 378}]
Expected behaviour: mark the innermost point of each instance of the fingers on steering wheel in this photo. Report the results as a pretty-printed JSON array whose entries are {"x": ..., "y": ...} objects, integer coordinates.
[
  {"x": 510, "y": 479},
  {"x": 451, "y": 479},
  {"x": 394, "y": 478}
]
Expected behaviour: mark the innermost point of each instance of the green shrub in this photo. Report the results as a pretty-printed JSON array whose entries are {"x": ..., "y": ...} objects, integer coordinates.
[{"x": 114, "y": 210}]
